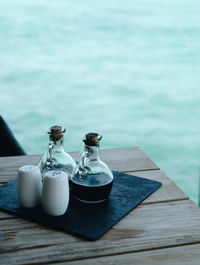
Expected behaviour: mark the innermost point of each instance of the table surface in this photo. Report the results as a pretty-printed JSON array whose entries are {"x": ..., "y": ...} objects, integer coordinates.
[{"x": 163, "y": 229}]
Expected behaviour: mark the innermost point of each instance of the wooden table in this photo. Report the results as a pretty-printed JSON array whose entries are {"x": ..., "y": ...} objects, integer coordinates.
[{"x": 164, "y": 229}]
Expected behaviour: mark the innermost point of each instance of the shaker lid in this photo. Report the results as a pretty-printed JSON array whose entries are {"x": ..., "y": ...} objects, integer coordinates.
[
  {"x": 55, "y": 175},
  {"x": 92, "y": 139}
]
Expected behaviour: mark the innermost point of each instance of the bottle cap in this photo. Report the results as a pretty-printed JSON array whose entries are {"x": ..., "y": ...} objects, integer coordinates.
[
  {"x": 92, "y": 139},
  {"x": 56, "y": 132}
]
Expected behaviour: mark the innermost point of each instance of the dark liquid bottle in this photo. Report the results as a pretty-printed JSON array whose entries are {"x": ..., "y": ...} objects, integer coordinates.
[{"x": 92, "y": 180}]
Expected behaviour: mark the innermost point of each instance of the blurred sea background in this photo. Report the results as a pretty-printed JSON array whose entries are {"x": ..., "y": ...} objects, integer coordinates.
[{"x": 129, "y": 70}]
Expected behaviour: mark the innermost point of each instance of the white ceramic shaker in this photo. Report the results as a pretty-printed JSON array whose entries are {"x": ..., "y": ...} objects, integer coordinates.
[
  {"x": 29, "y": 186},
  {"x": 55, "y": 192}
]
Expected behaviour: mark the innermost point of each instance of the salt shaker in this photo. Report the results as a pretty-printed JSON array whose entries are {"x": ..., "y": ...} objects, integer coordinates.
[
  {"x": 29, "y": 186},
  {"x": 55, "y": 192}
]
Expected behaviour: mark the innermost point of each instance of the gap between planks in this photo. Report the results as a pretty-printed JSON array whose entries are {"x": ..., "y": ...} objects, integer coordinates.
[
  {"x": 187, "y": 237},
  {"x": 143, "y": 203},
  {"x": 140, "y": 170},
  {"x": 140, "y": 205},
  {"x": 128, "y": 171},
  {"x": 105, "y": 255}
]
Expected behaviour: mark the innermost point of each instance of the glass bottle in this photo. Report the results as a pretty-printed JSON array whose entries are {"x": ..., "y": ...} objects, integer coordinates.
[
  {"x": 92, "y": 180},
  {"x": 56, "y": 158}
]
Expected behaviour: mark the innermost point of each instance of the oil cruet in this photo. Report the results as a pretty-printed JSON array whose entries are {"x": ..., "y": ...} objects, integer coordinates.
[
  {"x": 56, "y": 158},
  {"x": 91, "y": 180}
]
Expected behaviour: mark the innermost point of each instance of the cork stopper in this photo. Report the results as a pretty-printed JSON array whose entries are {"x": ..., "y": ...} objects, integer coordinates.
[
  {"x": 56, "y": 132},
  {"x": 92, "y": 139}
]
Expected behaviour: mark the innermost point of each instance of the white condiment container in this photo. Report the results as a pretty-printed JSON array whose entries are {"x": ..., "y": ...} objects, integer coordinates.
[
  {"x": 29, "y": 186},
  {"x": 55, "y": 192}
]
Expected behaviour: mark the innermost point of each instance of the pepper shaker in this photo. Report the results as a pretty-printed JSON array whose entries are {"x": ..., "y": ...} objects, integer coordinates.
[{"x": 55, "y": 192}]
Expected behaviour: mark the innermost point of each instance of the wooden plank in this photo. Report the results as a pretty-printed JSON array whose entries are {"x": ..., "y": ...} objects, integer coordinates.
[
  {"x": 123, "y": 160},
  {"x": 147, "y": 227},
  {"x": 182, "y": 255},
  {"x": 127, "y": 159},
  {"x": 169, "y": 191},
  {"x": 9, "y": 165}
]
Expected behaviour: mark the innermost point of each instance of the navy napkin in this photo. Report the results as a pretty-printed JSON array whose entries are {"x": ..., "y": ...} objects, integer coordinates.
[{"x": 89, "y": 221}]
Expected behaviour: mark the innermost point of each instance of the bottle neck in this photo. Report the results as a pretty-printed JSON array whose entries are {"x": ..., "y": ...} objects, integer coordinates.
[
  {"x": 57, "y": 145},
  {"x": 93, "y": 152}
]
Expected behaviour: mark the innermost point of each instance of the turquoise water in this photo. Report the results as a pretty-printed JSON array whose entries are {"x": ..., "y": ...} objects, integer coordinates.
[{"x": 126, "y": 69}]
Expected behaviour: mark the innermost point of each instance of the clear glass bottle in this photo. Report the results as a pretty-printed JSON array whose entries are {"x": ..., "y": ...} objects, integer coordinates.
[
  {"x": 92, "y": 180},
  {"x": 56, "y": 158}
]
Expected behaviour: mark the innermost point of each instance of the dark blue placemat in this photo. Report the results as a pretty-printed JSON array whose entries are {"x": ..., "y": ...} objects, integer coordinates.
[{"x": 81, "y": 219}]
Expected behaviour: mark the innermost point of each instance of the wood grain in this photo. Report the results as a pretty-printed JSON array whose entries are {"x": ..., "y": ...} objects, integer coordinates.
[
  {"x": 9, "y": 165},
  {"x": 147, "y": 227},
  {"x": 182, "y": 255},
  {"x": 169, "y": 191},
  {"x": 164, "y": 229}
]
